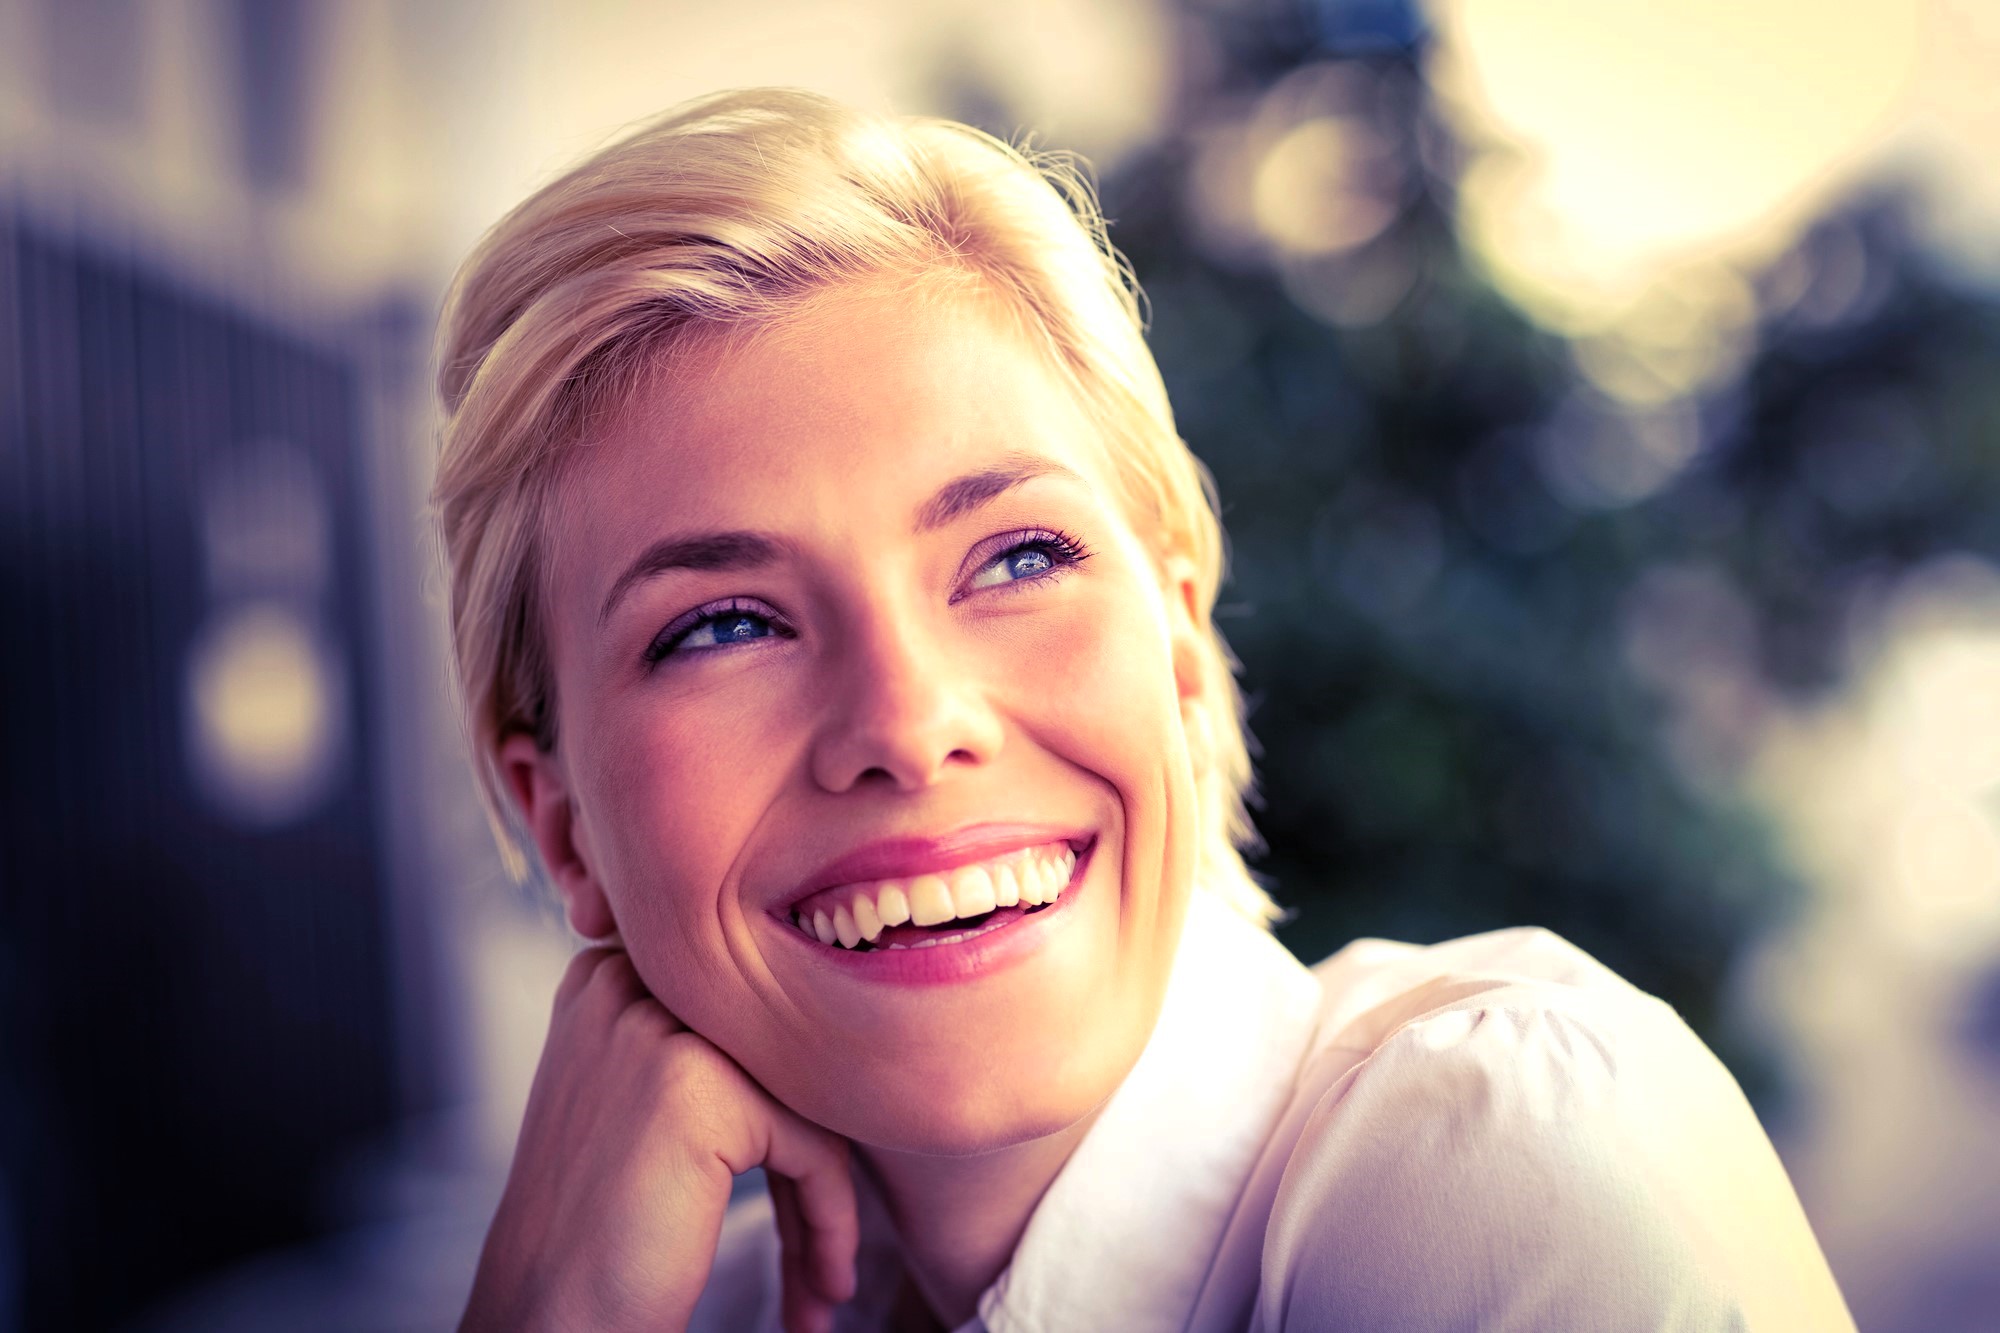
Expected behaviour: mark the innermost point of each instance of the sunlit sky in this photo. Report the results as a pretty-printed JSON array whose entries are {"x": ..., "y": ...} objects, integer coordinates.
[{"x": 1625, "y": 146}]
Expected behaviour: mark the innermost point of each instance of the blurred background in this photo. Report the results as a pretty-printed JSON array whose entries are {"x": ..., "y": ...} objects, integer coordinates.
[{"x": 1605, "y": 401}]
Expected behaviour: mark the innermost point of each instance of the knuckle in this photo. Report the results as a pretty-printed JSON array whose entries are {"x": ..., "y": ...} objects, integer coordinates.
[
  {"x": 611, "y": 967},
  {"x": 602, "y": 994},
  {"x": 695, "y": 1078},
  {"x": 614, "y": 982},
  {"x": 585, "y": 972},
  {"x": 575, "y": 975},
  {"x": 640, "y": 1017},
  {"x": 684, "y": 1062}
]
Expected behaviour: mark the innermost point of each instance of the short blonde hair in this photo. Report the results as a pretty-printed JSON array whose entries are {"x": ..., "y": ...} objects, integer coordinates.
[{"x": 728, "y": 211}]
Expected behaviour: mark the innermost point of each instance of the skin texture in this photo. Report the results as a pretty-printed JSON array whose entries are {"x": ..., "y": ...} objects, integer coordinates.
[{"x": 892, "y": 684}]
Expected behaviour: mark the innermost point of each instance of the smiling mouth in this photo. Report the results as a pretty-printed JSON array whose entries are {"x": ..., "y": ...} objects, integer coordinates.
[
  {"x": 944, "y": 908},
  {"x": 927, "y": 937}
]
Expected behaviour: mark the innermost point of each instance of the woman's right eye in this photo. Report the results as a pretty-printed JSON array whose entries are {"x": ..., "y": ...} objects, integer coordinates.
[{"x": 710, "y": 627}]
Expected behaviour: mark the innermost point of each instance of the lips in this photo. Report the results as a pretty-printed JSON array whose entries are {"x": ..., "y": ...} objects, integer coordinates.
[{"x": 907, "y": 858}]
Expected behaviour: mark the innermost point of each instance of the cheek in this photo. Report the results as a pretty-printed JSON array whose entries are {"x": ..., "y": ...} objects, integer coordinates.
[
  {"x": 680, "y": 791},
  {"x": 1115, "y": 710},
  {"x": 1102, "y": 681}
]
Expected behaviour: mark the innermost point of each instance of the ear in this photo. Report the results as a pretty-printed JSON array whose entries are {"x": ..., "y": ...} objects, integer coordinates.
[
  {"x": 535, "y": 781},
  {"x": 1188, "y": 637}
]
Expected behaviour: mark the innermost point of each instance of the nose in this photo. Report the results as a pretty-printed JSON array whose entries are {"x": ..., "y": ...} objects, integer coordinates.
[{"x": 904, "y": 705}]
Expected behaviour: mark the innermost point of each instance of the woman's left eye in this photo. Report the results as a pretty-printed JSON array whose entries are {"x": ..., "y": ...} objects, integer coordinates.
[
  {"x": 1038, "y": 555},
  {"x": 712, "y": 627},
  {"x": 734, "y": 627}
]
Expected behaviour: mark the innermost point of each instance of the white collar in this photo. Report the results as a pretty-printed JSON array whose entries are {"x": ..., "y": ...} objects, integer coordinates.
[{"x": 1126, "y": 1233}]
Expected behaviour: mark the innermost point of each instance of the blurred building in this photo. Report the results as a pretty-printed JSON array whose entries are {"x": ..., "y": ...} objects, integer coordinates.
[{"x": 216, "y": 961}]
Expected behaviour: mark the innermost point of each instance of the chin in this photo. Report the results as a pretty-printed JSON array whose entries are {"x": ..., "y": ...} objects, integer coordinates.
[
  {"x": 974, "y": 1106},
  {"x": 964, "y": 1130}
]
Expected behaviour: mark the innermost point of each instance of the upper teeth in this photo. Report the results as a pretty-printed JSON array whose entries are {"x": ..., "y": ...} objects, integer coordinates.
[{"x": 856, "y": 912}]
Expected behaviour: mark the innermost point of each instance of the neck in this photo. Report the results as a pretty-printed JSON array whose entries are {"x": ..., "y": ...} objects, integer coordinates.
[{"x": 959, "y": 1218}]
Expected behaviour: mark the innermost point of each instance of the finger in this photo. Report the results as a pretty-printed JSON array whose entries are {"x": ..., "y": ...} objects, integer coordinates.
[
  {"x": 804, "y": 1310},
  {"x": 816, "y": 1162},
  {"x": 577, "y": 975},
  {"x": 615, "y": 986}
]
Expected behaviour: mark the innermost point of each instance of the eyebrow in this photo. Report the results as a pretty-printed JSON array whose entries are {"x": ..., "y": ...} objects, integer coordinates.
[
  {"x": 745, "y": 549},
  {"x": 961, "y": 495}
]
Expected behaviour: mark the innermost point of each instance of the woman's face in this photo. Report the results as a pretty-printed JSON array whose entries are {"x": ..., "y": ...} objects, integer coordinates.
[{"x": 859, "y": 590}]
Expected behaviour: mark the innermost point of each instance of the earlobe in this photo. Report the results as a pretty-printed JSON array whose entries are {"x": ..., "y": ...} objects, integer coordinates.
[
  {"x": 540, "y": 793},
  {"x": 1190, "y": 676},
  {"x": 1184, "y": 627}
]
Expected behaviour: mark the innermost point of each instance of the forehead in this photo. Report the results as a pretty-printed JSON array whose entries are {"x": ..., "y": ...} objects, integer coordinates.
[{"x": 862, "y": 402}]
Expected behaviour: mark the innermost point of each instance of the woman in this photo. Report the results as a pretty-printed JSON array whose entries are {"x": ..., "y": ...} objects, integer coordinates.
[{"x": 831, "y": 596}]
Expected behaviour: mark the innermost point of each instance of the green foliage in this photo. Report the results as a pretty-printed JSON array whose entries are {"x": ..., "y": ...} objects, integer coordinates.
[{"x": 1453, "y": 736}]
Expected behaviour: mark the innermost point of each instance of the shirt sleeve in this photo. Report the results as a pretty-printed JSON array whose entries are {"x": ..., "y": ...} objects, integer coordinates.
[{"x": 1533, "y": 1161}]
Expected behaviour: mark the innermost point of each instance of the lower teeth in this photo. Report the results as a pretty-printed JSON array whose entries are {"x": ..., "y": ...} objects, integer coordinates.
[{"x": 979, "y": 924}]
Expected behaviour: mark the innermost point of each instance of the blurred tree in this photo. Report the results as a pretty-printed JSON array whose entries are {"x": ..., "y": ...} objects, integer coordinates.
[{"x": 1467, "y": 586}]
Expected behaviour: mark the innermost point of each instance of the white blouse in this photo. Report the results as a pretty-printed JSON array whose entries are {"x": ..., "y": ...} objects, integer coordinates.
[{"x": 1494, "y": 1133}]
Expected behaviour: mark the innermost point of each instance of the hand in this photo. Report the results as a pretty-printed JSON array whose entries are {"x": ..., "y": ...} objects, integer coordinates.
[{"x": 634, "y": 1130}]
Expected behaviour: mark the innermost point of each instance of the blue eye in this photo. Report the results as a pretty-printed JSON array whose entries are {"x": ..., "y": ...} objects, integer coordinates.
[
  {"x": 1027, "y": 562},
  {"x": 713, "y": 627},
  {"x": 1042, "y": 555},
  {"x": 735, "y": 627}
]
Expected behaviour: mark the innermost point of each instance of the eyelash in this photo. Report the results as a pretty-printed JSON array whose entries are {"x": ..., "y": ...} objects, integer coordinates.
[{"x": 1068, "y": 553}]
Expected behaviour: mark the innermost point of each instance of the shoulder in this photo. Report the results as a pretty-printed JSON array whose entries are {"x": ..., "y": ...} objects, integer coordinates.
[
  {"x": 1392, "y": 982},
  {"x": 1500, "y": 1132}
]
